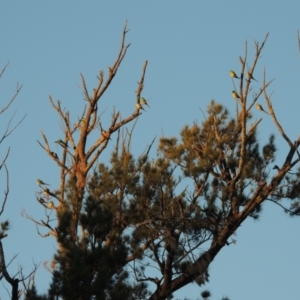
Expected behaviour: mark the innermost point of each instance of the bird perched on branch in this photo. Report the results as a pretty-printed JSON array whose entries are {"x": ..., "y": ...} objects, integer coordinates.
[
  {"x": 40, "y": 182},
  {"x": 249, "y": 76},
  {"x": 235, "y": 95},
  {"x": 62, "y": 143},
  {"x": 233, "y": 75},
  {"x": 54, "y": 155},
  {"x": 139, "y": 106},
  {"x": 259, "y": 107},
  {"x": 51, "y": 205},
  {"x": 46, "y": 192},
  {"x": 144, "y": 102},
  {"x": 41, "y": 200}
]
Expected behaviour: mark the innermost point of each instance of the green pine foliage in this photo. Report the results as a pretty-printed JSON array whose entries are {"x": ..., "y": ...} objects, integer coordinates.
[{"x": 93, "y": 266}]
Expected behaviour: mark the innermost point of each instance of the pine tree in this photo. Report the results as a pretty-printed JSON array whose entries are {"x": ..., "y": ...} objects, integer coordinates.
[
  {"x": 91, "y": 253},
  {"x": 204, "y": 185},
  {"x": 130, "y": 215},
  {"x": 89, "y": 269}
]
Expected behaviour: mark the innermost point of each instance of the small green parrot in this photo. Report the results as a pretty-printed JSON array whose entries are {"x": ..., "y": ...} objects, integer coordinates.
[
  {"x": 259, "y": 107},
  {"x": 51, "y": 205},
  {"x": 62, "y": 143},
  {"x": 144, "y": 102},
  {"x": 233, "y": 75},
  {"x": 249, "y": 77},
  {"x": 46, "y": 192},
  {"x": 139, "y": 106},
  {"x": 40, "y": 182},
  {"x": 41, "y": 200},
  {"x": 235, "y": 95},
  {"x": 54, "y": 155},
  {"x": 81, "y": 122}
]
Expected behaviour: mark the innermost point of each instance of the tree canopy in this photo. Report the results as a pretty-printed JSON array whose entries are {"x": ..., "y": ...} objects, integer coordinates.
[{"x": 144, "y": 227}]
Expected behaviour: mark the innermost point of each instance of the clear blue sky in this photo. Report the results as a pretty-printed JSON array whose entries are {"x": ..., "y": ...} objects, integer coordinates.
[{"x": 190, "y": 47}]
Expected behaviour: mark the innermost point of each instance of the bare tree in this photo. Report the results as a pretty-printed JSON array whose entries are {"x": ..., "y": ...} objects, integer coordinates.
[
  {"x": 77, "y": 158},
  {"x": 12, "y": 280}
]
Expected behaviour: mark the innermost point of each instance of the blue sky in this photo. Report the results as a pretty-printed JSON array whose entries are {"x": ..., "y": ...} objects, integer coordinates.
[{"x": 190, "y": 47}]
